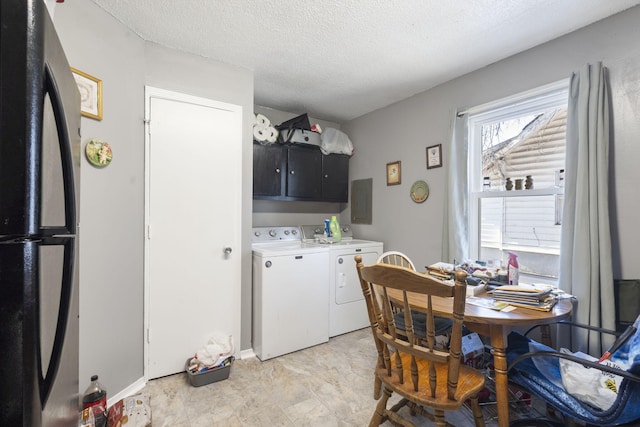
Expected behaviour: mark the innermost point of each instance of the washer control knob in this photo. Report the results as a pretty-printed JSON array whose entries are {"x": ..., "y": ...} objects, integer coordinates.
[
  {"x": 257, "y": 234},
  {"x": 267, "y": 264},
  {"x": 272, "y": 233},
  {"x": 294, "y": 231},
  {"x": 340, "y": 260},
  {"x": 286, "y": 232}
]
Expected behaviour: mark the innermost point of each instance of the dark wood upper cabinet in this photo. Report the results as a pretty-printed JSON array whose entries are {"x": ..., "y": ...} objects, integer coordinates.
[
  {"x": 269, "y": 170},
  {"x": 299, "y": 172},
  {"x": 304, "y": 172},
  {"x": 335, "y": 177}
]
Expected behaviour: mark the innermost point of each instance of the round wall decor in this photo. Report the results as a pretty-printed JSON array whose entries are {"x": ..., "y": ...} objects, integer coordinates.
[
  {"x": 98, "y": 152},
  {"x": 419, "y": 191}
]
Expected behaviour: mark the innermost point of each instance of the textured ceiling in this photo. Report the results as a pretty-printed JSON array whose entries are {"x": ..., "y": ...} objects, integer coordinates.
[{"x": 340, "y": 59}]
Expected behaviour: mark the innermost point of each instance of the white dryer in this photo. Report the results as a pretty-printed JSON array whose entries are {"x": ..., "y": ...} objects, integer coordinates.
[{"x": 347, "y": 308}]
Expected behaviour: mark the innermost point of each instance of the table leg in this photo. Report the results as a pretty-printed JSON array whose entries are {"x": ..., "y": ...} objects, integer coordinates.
[
  {"x": 545, "y": 335},
  {"x": 499, "y": 343}
]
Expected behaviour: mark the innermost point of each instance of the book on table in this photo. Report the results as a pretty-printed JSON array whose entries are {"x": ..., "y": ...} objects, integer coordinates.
[{"x": 526, "y": 296}]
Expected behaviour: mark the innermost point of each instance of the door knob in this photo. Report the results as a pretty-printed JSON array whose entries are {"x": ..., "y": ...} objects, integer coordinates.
[{"x": 228, "y": 250}]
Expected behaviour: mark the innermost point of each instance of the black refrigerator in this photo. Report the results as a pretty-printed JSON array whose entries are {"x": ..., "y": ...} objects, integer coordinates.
[{"x": 39, "y": 160}]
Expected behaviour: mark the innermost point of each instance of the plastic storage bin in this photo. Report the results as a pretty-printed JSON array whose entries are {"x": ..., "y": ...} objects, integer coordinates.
[{"x": 211, "y": 376}]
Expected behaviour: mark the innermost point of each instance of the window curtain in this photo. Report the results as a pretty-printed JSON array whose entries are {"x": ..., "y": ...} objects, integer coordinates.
[
  {"x": 455, "y": 230},
  {"x": 585, "y": 261}
]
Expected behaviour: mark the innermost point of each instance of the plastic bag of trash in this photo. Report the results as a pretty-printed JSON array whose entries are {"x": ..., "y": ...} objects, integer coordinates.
[
  {"x": 335, "y": 141},
  {"x": 597, "y": 388}
]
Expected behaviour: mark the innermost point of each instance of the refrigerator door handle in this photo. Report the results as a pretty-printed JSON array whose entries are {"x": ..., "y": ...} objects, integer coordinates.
[
  {"x": 47, "y": 379},
  {"x": 66, "y": 157}
]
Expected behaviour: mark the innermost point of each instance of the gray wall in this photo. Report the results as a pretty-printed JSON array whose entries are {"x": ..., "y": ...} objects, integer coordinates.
[
  {"x": 404, "y": 130},
  {"x": 112, "y": 199}
]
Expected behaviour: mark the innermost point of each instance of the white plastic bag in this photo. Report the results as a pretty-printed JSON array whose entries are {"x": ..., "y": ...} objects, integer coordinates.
[
  {"x": 597, "y": 388},
  {"x": 336, "y": 142},
  {"x": 218, "y": 348}
]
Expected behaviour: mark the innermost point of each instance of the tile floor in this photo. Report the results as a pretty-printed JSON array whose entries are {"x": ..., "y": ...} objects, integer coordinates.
[{"x": 327, "y": 385}]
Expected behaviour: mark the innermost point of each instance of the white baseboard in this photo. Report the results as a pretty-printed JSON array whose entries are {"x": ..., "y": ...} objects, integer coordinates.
[
  {"x": 247, "y": 354},
  {"x": 129, "y": 391}
]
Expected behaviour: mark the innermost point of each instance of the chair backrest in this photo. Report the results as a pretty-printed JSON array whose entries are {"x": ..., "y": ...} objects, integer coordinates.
[
  {"x": 396, "y": 258},
  {"x": 383, "y": 285}
]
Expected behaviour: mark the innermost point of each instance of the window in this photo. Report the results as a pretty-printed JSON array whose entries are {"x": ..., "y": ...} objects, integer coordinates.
[{"x": 516, "y": 167}]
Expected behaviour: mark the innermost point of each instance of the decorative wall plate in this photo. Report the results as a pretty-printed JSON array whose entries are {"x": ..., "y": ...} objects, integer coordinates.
[
  {"x": 419, "y": 191},
  {"x": 98, "y": 152}
]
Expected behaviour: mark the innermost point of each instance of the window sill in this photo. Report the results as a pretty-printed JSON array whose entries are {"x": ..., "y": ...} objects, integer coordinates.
[
  {"x": 531, "y": 279},
  {"x": 520, "y": 193}
]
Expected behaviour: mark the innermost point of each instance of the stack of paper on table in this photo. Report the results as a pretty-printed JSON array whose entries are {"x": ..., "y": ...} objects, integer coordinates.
[
  {"x": 441, "y": 270},
  {"x": 526, "y": 296}
]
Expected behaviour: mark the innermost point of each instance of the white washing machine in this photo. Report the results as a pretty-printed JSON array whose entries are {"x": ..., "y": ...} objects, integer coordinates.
[
  {"x": 347, "y": 308},
  {"x": 290, "y": 292}
]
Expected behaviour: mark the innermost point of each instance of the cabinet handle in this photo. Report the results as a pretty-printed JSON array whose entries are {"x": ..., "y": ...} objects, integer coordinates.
[
  {"x": 292, "y": 172},
  {"x": 277, "y": 170}
]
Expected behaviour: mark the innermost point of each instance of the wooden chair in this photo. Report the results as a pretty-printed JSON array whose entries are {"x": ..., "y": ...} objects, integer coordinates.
[
  {"x": 396, "y": 258},
  {"x": 442, "y": 324},
  {"x": 425, "y": 377}
]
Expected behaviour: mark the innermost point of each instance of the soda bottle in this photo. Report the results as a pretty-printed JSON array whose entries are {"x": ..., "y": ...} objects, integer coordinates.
[{"x": 95, "y": 398}]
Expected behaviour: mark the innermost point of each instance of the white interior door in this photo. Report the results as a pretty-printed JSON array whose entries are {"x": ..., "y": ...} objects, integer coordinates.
[{"x": 194, "y": 160}]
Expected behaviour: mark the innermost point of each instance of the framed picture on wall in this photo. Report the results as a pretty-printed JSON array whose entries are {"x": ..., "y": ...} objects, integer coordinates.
[
  {"x": 90, "y": 94},
  {"x": 393, "y": 173},
  {"x": 434, "y": 156}
]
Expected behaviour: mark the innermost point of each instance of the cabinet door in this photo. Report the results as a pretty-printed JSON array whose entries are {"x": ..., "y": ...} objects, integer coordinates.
[
  {"x": 335, "y": 177},
  {"x": 268, "y": 170},
  {"x": 304, "y": 173}
]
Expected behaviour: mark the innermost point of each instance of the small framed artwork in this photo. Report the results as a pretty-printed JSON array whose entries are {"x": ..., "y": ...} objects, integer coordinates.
[
  {"x": 90, "y": 94},
  {"x": 434, "y": 156},
  {"x": 393, "y": 173}
]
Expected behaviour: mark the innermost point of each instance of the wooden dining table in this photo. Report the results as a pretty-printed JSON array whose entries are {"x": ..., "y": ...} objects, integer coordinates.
[{"x": 496, "y": 325}]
